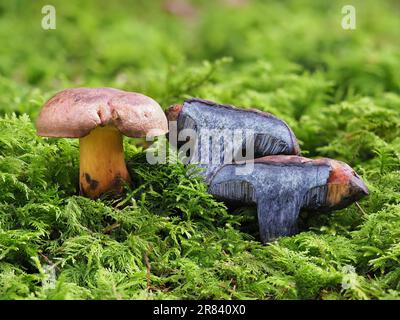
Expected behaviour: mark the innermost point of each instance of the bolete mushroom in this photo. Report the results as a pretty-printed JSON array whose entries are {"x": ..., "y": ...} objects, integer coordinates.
[
  {"x": 100, "y": 117},
  {"x": 270, "y": 135},
  {"x": 281, "y": 186}
]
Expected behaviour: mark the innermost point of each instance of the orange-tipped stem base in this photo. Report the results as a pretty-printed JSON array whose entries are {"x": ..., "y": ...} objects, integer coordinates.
[{"x": 102, "y": 162}]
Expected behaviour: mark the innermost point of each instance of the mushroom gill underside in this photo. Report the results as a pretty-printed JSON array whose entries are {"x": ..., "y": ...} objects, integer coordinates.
[
  {"x": 277, "y": 215},
  {"x": 211, "y": 148},
  {"x": 278, "y": 191}
]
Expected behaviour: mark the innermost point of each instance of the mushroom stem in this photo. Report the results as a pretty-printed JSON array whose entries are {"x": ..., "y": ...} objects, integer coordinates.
[{"x": 102, "y": 162}]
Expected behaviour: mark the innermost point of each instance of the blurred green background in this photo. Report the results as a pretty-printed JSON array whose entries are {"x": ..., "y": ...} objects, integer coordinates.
[{"x": 158, "y": 47}]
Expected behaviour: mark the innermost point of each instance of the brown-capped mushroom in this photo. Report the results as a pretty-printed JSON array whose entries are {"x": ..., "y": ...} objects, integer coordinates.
[{"x": 99, "y": 117}]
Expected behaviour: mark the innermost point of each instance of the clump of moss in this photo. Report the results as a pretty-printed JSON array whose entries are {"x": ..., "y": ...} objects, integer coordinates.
[{"x": 167, "y": 238}]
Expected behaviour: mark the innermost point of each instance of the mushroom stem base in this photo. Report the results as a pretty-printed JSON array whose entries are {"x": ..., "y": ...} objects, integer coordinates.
[{"x": 102, "y": 162}]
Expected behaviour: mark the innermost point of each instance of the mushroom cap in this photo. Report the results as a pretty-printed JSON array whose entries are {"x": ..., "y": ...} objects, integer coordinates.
[{"x": 73, "y": 113}]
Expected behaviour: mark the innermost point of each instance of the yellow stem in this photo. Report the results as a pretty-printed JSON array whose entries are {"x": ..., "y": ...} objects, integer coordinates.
[{"x": 102, "y": 162}]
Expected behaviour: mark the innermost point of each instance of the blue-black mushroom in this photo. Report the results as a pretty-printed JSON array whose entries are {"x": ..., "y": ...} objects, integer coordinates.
[
  {"x": 210, "y": 120},
  {"x": 281, "y": 186}
]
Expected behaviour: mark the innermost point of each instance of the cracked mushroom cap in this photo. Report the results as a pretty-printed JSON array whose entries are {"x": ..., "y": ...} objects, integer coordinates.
[{"x": 73, "y": 113}]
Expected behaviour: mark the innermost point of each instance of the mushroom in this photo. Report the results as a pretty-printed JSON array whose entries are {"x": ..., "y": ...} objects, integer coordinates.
[
  {"x": 271, "y": 136},
  {"x": 99, "y": 117},
  {"x": 281, "y": 186}
]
